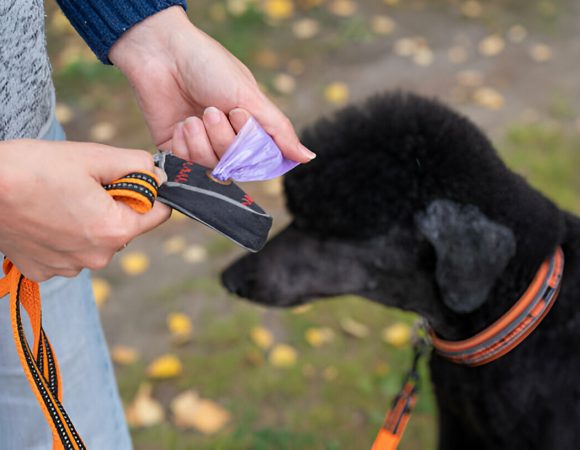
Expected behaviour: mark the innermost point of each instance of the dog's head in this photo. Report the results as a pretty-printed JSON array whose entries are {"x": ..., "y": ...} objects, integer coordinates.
[{"x": 407, "y": 204}]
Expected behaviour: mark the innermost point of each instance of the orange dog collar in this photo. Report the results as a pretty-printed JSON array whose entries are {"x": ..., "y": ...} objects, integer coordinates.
[{"x": 495, "y": 341}]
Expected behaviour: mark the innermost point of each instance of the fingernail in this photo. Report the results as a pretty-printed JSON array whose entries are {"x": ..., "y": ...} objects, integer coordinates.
[
  {"x": 192, "y": 125},
  {"x": 161, "y": 175},
  {"x": 238, "y": 112},
  {"x": 212, "y": 115},
  {"x": 310, "y": 155}
]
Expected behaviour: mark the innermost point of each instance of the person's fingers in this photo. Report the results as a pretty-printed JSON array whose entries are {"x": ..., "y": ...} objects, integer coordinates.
[
  {"x": 198, "y": 144},
  {"x": 280, "y": 128},
  {"x": 107, "y": 164},
  {"x": 178, "y": 143},
  {"x": 143, "y": 223},
  {"x": 218, "y": 129},
  {"x": 238, "y": 118}
]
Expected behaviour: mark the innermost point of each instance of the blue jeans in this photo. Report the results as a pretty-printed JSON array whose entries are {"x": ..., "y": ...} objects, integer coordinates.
[{"x": 90, "y": 395}]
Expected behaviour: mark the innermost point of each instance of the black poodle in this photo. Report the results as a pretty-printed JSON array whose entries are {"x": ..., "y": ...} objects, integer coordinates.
[{"x": 409, "y": 205}]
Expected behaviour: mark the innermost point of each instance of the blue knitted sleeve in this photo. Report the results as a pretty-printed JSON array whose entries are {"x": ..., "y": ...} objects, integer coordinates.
[{"x": 102, "y": 22}]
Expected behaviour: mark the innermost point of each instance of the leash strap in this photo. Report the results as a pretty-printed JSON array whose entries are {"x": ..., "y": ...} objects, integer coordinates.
[
  {"x": 398, "y": 416},
  {"x": 137, "y": 190}
]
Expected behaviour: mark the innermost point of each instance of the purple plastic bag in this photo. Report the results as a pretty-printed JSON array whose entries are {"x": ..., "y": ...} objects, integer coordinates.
[{"x": 253, "y": 156}]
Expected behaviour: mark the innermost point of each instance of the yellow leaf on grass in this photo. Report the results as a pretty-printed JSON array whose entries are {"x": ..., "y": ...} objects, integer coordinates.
[
  {"x": 278, "y": 9},
  {"x": 517, "y": 33},
  {"x": 124, "y": 355},
  {"x": 382, "y": 25},
  {"x": 144, "y": 411},
  {"x": 488, "y": 98},
  {"x": 63, "y": 113},
  {"x": 102, "y": 132},
  {"x": 354, "y": 328},
  {"x": 317, "y": 337},
  {"x": 174, "y": 245},
  {"x": 343, "y": 8},
  {"x": 330, "y": 373},
  {"x": 284, "y": 83},
  {"x": 191, "y": 411},
  {"x": 179, "y": 326},
  {"x": 283, "y": 355},
  {"x": 336, "y": 93},
  {"x": 302, "y": 309},
  {"x": 262, "y": 337},
  {"x": 541, "y": 53},
  {"x": 397, "y": 335},
  {"x": 491, "y": 45},
  {"x": 101, "y": 291},
  {"x": 134, "y": 263},
  {"x": 166, "y": 366},
  {"x": 195, "y": 254},
  {"x": 306, "y": 28}
]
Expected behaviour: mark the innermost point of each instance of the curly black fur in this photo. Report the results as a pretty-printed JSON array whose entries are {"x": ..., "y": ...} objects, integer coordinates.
[{"x": 408, "y": 204}]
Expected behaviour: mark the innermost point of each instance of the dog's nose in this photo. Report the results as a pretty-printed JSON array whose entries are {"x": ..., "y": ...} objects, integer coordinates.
[{"x": 239, "y": 281}]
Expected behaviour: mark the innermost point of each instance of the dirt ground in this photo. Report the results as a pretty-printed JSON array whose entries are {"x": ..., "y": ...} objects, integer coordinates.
[{"x": 535, "y": 81}]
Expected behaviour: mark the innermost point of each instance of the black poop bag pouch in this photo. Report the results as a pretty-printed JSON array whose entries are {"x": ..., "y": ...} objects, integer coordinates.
[
  {"x": 212, "y": 198},
  {"x": 221, "y": 205}
]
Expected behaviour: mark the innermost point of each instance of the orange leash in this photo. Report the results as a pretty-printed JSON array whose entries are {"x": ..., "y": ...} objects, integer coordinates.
[
  {"x": 139, "y": 191},
  {"x": 398, "y": 416}
]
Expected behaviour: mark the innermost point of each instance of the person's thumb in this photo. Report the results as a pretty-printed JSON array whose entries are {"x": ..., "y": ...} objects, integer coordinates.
[
  {"x": 280, "y": 128},
  {"x": 107, "y": 164}
]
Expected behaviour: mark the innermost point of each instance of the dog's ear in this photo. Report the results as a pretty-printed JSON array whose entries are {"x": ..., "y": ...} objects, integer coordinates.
[{"x": 472, "y": 251}]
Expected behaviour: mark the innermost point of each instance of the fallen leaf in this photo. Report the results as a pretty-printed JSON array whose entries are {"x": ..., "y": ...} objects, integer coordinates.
[
  {"x": 178, "y": 216},
  {"x": 284, "y": 83},
  {"x": 195, "y": 254},
  {"x": 296, "y": 67},
  {"x": 423, "y": 57},
  {"x": 190, "y": 411},
  {"x": 517, "y": 33},
  {"x": 308, "y": 370},
  {"x": 491, "y": 45},
  {"x": 237, "y": 7},
  {"x": 268, "y": 59},
  {"x": 541, "y": 53},
  {"x": 306, "y": 28},
  {"x": 457, "y": 54},
  {"x": 405, "y": 47},
  {"x": 134, "y": 263},
  {"x": 63, "y": 113},
  {"x": 102, "y": 132},
  {"x": 262, "y": 337},
  {"x": 470, "y": 78},
  {"x": 397, "y": 335},
  {"x": 336, "y": 93},
  {"x": 354, "y": 328},
  {"x": 317, "y": 337},
  {"x": 179, "y": 326},
  {"x": 330, "y": 373},
  {"x": 343, "y": 8},
  {"x": 382, "y": 25},
  {"x": 278, "y": 9},
  {"x": 101, "y": 291},
  {"x": 302, "y": 309},
  {"x": 381, "y": 369},
  {"x": 166, "y": 366},
  {"x": 471, "y": 9},
  {"x": 255, "y": 357},
  {"x": 217, "y": 12},
  {"x": 174, "y": 245},
  {"x": 488, "y": 98},
  {"x": 144, "y": 411},
  {"x": 283, "y": 355},
  {"x": 274, "y": 187},
  {"x": 123, "y": 355}
]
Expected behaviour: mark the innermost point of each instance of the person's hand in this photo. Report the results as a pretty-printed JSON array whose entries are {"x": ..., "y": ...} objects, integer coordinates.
[
  {"x": 56, "y": 218},
  {"x": 177, "y": 72}
]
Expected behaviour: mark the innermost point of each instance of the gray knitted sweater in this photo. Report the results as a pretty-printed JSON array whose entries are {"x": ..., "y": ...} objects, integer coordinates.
[{"x": 26, "y": 90}]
